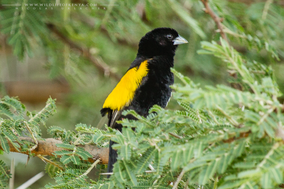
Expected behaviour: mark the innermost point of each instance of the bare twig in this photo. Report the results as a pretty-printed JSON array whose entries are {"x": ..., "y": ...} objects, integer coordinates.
[
  {"x": 216, "y": 19},
  {"x": 12, "y": 178},
  {"x": 266, "y": 115},
  {"x": 266, "y": 8},
  {"x": 111, "y": 173},
  {"x": 90, "y": 168},
  {"x": 103, "y": 67},
  {"x": 174, "y": 135},
  {"x": 31, "y": 180},
  {"x": 106, "y": 173},
  {"x": 231, "y": 120},
  {"x": 33, "y": 137},
  {"x": 178, "y": 179},
  {"x": 49, "y": 161},
  {"x": 280, "y": 131}
]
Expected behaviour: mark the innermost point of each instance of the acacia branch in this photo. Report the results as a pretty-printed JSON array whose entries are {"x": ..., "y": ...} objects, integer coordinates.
[
  {"x": 47, "y": 147},
  {"x": 216, "y": 19},
  {"x": 103, "y": 67}
]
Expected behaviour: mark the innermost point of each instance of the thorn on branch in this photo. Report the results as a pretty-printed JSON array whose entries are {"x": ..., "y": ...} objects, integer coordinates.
[{"x": 205, "y": 10}]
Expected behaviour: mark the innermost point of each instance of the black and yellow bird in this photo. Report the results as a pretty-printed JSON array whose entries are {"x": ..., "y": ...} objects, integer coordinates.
[{"x": 146, "y": 82}]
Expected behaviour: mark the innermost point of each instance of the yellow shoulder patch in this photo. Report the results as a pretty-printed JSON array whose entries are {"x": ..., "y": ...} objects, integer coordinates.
[{"x": 123, "y": 93}]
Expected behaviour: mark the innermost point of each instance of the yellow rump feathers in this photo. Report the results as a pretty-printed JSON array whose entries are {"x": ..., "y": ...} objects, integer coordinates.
[{"x": 123, "y": 93}]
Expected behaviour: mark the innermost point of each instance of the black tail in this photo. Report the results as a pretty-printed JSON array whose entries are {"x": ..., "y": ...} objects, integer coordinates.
[{"x": 112, "y": 158}]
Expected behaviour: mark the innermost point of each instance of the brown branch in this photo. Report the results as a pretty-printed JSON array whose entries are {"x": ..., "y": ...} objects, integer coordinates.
[
  {"x": 242, "y": 135},
  {"x": 216, "y": 19},
  {"x": 103, "y": 67},
  {"x": 36, "y": 91},
  {"x": 48, "y": 146}
]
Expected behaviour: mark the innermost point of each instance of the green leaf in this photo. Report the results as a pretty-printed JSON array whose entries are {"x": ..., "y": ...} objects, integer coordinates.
[
  {"x": 230, "y": 185},
  {"x": 66, "y": 159},
  {"x": 194, "y": 165},
  {"x": 130, "y": 172},
  {"x": 183, "y": 14},
  {"x": 125, "y": 152},
  {"x": 4, "y": 144},
  {"x": 66, "y": 146},
  {"x": 118, "y": 172},
  {"x": 276, "y": 175},
  {"x": 83, "y": 153},
  {"x": 98, "y": 137},
  {"x": 76, "y": 160},
  {"x": 176, "y": 160},
  {"x": 145, "y": 160},
  {"x": 128, "y": 133},
  {"x": 51, "y": 169},
  {"x": 208, "y": 171},
  {"x": 198, "y": 151},
  {"x": 62, "y": 152},
  {"x": 268, "y": 129},
  {"x": 245, "y": 165},
  {"x": 158, "y": 165},
  {"x": 266, "y": 181},
  {"x": 249, "y": 173},
  {"x": 4, "y": 174}
]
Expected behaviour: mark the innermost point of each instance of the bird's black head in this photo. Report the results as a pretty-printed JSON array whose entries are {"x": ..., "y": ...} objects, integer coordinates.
[{"x": 160, "y": 41}]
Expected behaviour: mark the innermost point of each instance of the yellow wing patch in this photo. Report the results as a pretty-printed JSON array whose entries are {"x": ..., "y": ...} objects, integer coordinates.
[{"x": 123, "y": 93}]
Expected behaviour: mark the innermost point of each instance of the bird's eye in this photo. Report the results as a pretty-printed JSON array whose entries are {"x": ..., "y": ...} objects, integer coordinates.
[{"x": 169, "y": 36}]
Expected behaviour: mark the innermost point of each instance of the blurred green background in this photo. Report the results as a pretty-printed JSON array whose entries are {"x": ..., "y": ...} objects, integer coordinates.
[{"x": 60, "y": 51}]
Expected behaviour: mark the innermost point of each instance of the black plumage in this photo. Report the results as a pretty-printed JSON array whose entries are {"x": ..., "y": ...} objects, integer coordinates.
[{"x": 157, "y": 48}]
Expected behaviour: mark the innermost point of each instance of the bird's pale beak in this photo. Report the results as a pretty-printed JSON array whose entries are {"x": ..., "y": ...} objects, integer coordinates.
[{"x": 179, "y": 40}]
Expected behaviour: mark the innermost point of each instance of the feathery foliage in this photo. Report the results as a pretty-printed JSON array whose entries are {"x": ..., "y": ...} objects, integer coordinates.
[
  {"x": 218, "y": 136},
  {"x": 16, "y": 121}
]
